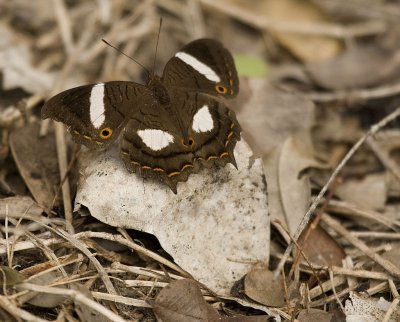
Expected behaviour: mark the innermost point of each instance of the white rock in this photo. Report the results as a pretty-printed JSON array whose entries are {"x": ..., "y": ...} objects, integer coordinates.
[{"x": 214, "y": 228}]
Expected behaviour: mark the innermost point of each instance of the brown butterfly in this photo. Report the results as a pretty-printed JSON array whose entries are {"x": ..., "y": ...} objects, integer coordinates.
[{"x": 172, "y": 126}]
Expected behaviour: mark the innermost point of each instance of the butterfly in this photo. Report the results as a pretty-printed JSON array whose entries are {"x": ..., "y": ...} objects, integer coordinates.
[{"x": 172, "y": 126}]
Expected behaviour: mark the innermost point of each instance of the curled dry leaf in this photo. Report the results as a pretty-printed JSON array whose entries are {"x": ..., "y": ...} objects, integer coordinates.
[
  {"x": 261, "y": 286},
  {"x": 288, "y": 192},
  {"x": 36, "y": 159}
]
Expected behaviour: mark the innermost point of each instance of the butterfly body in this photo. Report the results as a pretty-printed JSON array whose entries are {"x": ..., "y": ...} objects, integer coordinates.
[{"x": 170, "y": 127}]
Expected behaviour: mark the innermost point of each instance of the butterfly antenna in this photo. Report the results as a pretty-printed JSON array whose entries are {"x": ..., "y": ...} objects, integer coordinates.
[
  {"x": 158, "y": 38},
  {"x": 121, "y": 52}
]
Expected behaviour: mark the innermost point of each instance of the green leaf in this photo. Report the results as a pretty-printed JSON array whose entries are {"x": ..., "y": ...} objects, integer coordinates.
[{"x": 252, "y": 66}]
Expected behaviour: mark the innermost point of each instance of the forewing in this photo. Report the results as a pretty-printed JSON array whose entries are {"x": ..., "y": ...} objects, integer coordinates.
[
  {"x": 203, "y": 65},
  {"x": 95, "y": 114}
]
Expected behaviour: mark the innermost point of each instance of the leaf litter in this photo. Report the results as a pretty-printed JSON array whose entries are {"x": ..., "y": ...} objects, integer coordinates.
[{"x": 338, "y": 78}]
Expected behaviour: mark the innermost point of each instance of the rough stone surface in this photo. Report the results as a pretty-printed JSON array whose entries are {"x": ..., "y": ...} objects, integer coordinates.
[{"x": 214, "y": 228}]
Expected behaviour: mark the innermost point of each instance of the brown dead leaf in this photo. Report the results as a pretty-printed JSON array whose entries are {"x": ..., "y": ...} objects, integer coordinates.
[
  {"x": 261, "y": 286},
  {"x": 182, "y": 301},
  {"x": 269, "y": 115},
  {"x": 36, "y": 159},
  {"x": 314, "y": 315},
  {"x": 321, "y": 249},
  {"x": 357, "y": 67},
  {"x": 9, "y": 276}
]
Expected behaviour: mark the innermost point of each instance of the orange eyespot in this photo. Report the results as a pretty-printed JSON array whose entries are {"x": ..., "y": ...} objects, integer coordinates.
[
  {"x": 105, "y": 133},
  {"x": 221, "y": 89}
]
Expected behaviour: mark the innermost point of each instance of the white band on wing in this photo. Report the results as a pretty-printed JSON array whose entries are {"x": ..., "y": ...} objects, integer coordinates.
[
  {"x": 97, "y": 115},
  {"x": 202, "y": 120},
  {"x": 155, "y": 139},
  {"x": 199, "y": 66}
]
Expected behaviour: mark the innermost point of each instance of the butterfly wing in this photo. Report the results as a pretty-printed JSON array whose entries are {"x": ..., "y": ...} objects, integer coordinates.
[
  {"x": 203, "y": 65},
  {"x": 154, "y": 145},
  {"x": 95, "y": 114}
]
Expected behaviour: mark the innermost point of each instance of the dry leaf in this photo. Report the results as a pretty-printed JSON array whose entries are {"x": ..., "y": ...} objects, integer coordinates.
[
  {"x": 288, "y": 192},
  {"x": 182, "y": 301},
  {"x": 221, "y": 216},
  {"x": 369, "y": 192},
  {"x": 19, "y": 206},
  {"x": 314, "y": 315},
  {"x": 9, "y": 276},
  {"x": 261, "y": 286},
  {"x": 36, "y": 159},
  {"x": 320, "y": 248}
]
